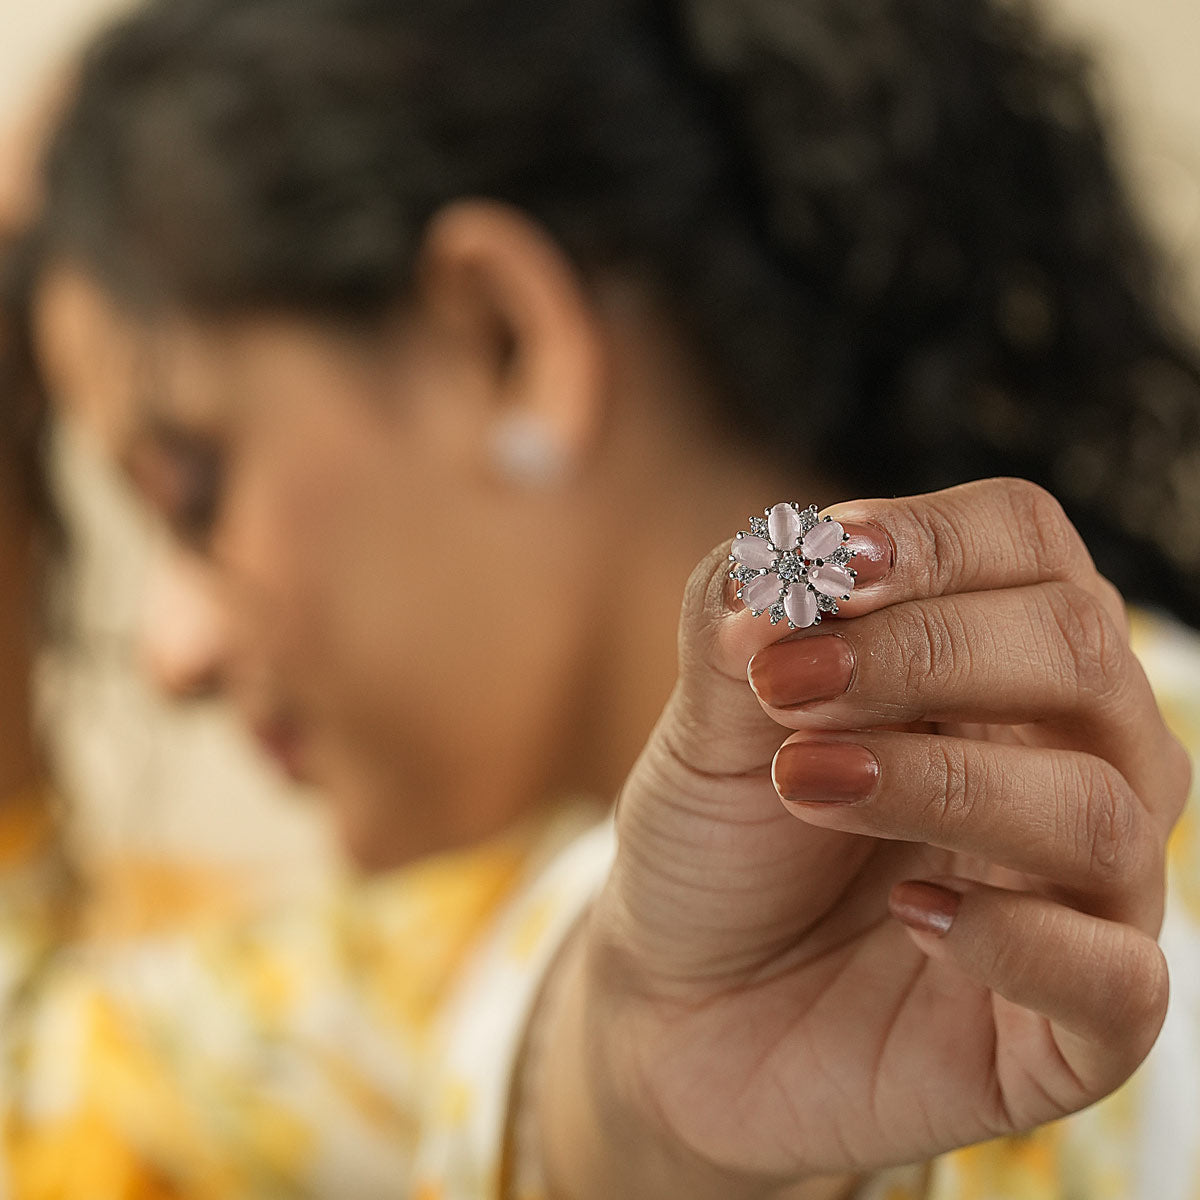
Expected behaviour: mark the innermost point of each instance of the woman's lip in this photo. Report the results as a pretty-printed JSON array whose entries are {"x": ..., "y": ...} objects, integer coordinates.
[{"x": 282, "y": 743}]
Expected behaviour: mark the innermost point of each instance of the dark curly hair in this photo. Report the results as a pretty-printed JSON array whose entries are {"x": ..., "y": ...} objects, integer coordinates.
[{"x": 892, "y": 227}]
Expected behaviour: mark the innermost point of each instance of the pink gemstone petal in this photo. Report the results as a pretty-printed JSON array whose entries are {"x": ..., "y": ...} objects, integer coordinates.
[
  {"x": 822, "y": 539},
  {"x": 753, "y": 552},
  {"x": 783, "y": 524},
  {"x": 762, "y": 591},
  {"x": 800, "y": 605},
  {"x": 831, "y": 580}
]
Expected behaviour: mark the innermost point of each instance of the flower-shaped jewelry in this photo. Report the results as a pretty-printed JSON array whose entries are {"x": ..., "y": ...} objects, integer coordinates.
[{"x": 793, "y": 566}]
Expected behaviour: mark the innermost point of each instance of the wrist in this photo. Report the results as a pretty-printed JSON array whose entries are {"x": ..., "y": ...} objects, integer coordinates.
[{"x": 597, "y": 1132}]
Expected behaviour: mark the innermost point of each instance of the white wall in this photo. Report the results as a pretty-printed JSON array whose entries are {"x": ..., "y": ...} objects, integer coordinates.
[
  {"x": 1150, "y": 54},
  {"x": 36, "y": 34}
]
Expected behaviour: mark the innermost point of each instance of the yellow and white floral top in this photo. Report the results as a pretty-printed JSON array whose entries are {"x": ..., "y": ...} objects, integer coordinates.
[{"x": 361, "y": 1046}]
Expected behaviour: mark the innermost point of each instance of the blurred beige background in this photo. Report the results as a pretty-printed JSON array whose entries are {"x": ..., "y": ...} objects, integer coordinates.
[{"x": 181, "y": 783}]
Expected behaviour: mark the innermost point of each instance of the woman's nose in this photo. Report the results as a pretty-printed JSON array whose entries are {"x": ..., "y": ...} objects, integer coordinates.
[{"x": 184, "y": 635}]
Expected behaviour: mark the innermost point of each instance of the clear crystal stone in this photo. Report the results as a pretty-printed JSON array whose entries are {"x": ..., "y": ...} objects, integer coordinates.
[
  {"x": 789, "y": 567},
  {"x": 758, "y": 527}
]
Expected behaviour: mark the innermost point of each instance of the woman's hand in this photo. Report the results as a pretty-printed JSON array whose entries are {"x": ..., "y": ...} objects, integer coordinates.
[{"x": 744, "y": 1013}]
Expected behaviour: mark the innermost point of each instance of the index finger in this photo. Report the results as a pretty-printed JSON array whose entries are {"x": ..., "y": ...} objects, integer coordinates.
[{"x": 990, "y": 533}]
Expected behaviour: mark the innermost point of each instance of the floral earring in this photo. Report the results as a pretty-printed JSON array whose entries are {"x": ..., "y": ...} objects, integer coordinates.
[{"x": 792, "y": 565}]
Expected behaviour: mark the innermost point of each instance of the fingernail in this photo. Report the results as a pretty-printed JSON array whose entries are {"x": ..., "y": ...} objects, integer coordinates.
[
  {"x": 927, "y": 907},
  {"x": 876, "y": 554},
  {"x": 801, "y": 672},
  {"x": 824, "y": 772}
]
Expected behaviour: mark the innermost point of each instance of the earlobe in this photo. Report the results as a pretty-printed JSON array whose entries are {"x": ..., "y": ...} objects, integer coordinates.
[{"x": 547, "y": 391}]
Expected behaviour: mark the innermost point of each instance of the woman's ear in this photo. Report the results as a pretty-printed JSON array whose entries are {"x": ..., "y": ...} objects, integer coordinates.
[{"x": 502, "y": 285}]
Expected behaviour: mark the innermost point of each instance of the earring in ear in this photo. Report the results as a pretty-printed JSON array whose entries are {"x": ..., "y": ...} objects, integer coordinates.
[{"x": 523, "y": 450}]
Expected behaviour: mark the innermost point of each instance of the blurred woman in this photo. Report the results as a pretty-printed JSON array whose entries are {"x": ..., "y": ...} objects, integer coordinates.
[
  {"x": 172, "y": 1052},
  {"x": 468, "y": 329}
]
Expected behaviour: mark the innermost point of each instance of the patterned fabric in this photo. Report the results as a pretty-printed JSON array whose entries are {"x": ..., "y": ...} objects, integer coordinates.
[
  {"x": 182, "y": 1055},
  {"x": 362, "y": 1045}
]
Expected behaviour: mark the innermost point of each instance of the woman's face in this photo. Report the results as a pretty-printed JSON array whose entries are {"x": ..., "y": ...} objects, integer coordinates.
[{"x": 398, "y": 624}]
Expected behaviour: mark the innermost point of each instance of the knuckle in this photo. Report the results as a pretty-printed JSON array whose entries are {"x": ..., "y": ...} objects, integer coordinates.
[
  {"x": 1009, "y": 957},
  {"x": 1155, "y": 990},
  {"x": 1041, "y": 522},
  {"x": 952, "y": 785},
  {"x": 1180, "y": 771},
  {"x": 930, "y": 644},
  {"x": 1094, "y": 651},
  {"x": 1114, "y": 604},
  {"x": 945, "y": 548},
  {"x": 1135, "y": 1018},
  {"x": 1110, "y": 835}
]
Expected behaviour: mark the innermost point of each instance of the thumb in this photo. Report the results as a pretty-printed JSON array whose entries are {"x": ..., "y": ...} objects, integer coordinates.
[
  {"x": 714, "y": 722},
  {"x": 713, "y": 874}
]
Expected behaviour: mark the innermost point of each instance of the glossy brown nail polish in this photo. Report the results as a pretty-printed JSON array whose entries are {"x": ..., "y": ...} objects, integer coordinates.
[
  {"x": 927, "y": 907},
  {"x": 875, "y": 555},
  {"x": 801, "y": 672},
  {"x": 825, "y": 772}
]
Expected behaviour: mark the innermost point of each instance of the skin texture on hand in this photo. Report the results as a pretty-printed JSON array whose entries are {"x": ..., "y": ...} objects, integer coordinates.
[{"x": 942, "y": 931}]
